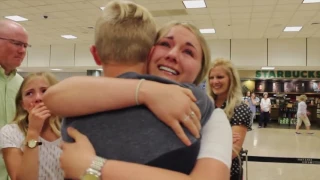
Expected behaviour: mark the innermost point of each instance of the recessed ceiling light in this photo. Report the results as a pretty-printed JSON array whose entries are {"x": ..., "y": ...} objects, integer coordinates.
[
  {"x": 100, "y": 69},
  {"x": 69, "y": 36},
  {"x": 102, "y": 8},
  {"x": 267, "y": 68},
  {"x": 292, "y": 29},
  {"x": 16, "y": 18},
  {"x": 56, "y": 69},
  {"x": 311, "y": 1},
  {"x": 207, "y": 31},
  {"x": 195, "y": 4}
]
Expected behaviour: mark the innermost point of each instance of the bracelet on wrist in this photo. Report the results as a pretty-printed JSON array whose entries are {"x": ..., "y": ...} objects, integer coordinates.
[{"x": 137, "y": 91}]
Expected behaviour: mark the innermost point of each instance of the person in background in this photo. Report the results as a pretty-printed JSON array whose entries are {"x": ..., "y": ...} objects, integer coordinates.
[
  {"x": 30, "y": 143},
  {"x": 265, "y": 106},
  {"x": 245, "y": 98},
  {"x": 253, "y": 102},
  {"x": 302, "y": 115},
  {"x": 225, "y": 89},
  {"x": 13, "y": 45}
]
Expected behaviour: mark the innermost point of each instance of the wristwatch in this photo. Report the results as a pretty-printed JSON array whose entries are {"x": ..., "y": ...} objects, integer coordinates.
[
  {"x": 33, "y": 143},
  {"x": 94, "y": 171}
]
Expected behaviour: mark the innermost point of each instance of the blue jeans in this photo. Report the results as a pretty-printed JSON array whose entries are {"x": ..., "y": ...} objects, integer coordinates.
[{"x": 252, "y": 118}]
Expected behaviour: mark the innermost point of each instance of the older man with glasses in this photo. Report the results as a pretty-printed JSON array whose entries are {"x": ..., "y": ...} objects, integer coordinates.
[{"x": 13, "y": 46}]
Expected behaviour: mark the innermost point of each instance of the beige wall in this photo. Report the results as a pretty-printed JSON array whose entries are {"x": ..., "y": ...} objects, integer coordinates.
[
  {"x": 245, "y": 53},
  {"x": 247, "y": 74}
]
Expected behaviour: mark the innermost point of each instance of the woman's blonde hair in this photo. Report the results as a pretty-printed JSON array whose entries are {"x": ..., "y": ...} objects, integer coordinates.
[
  {"x": 21, "y": 117},
  {"x": 302, "y": 97},
  {"x": 234, "y": 93},
  {"x": 206, "y": 57}
]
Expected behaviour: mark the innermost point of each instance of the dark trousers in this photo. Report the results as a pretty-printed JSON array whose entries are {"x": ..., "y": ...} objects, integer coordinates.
[{"x": 264, "y": 118}]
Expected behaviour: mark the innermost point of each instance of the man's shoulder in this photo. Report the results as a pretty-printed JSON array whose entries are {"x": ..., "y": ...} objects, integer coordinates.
[
  {"x": 15, "y": 82},
  {"x": 18, "y": 77},
  {"x": 197, "y": 91},
  {"x": 204, "y": 102},
  {"x": 133, "y": 75}
]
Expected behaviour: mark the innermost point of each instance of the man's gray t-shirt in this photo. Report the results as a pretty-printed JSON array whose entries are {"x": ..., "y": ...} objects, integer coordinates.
[{"x": 136, "y": 135}]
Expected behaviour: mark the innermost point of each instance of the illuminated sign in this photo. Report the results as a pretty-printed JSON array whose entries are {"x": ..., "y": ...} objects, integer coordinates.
[{"x": 287, "y": 74}]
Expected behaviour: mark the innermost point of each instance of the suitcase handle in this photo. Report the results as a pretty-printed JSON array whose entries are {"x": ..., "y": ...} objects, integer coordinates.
[{"x": 244, "y": 157}]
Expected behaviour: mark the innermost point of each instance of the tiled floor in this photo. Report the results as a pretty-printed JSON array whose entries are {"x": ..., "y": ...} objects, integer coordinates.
[{"x": 281, "y": 142}]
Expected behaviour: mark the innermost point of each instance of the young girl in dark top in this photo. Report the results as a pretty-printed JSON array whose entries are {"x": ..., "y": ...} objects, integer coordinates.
[{"x": 225, "y": 89}]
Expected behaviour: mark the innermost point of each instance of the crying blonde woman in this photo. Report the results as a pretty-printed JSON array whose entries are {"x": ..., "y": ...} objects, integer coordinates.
[{"x": 30, "y": 143}]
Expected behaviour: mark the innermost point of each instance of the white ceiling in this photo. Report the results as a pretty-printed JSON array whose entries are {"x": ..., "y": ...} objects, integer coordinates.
[{"x": 232, "y": 19}]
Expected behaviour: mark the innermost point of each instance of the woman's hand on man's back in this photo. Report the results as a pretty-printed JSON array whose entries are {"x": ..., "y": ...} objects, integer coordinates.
[{"x": 174, "y": 106}]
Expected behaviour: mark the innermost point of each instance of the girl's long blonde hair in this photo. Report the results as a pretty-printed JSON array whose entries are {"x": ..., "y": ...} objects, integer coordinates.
[
  {"x": 234, "y": 93},
  {"x": 21, "y": 117}
]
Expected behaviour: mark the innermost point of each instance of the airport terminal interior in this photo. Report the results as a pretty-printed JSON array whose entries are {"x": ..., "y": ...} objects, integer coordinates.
[{"x": 273, "y": 43}]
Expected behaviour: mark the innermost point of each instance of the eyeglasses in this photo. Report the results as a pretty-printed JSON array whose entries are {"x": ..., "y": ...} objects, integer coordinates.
[{"x": 17, "y": 43}]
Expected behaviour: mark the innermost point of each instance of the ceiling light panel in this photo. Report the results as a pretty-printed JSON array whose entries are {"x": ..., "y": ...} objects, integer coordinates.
[
  {"x": 206, "y": 31},
  {"x": 267, "y": 68},
  {"x": 292, "y": 29},
  {"x": 311, "y": 1},
  {"x": 195, "y": 4},
  {"x": 16, "y": 18},
  {"x": 69, "y": 36}
]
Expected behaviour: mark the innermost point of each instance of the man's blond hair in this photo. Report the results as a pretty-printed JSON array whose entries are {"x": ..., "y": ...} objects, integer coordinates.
[{"x": 124, "y": 33}]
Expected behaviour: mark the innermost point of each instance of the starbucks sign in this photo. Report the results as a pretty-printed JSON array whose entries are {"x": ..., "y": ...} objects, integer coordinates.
[{"x": 287, "y": 74}]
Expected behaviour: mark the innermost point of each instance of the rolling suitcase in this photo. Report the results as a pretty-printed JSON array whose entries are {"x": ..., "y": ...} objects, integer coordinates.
[{"x": 244, "y": 158}]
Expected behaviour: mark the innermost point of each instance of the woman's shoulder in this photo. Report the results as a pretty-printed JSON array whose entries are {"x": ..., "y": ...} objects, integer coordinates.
[
  {"x": 242, "y": 115},
  {"x": 242, "y": 107},
  {"x": 11, "y": 136},
  {"x": 11, "y": 129}
]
